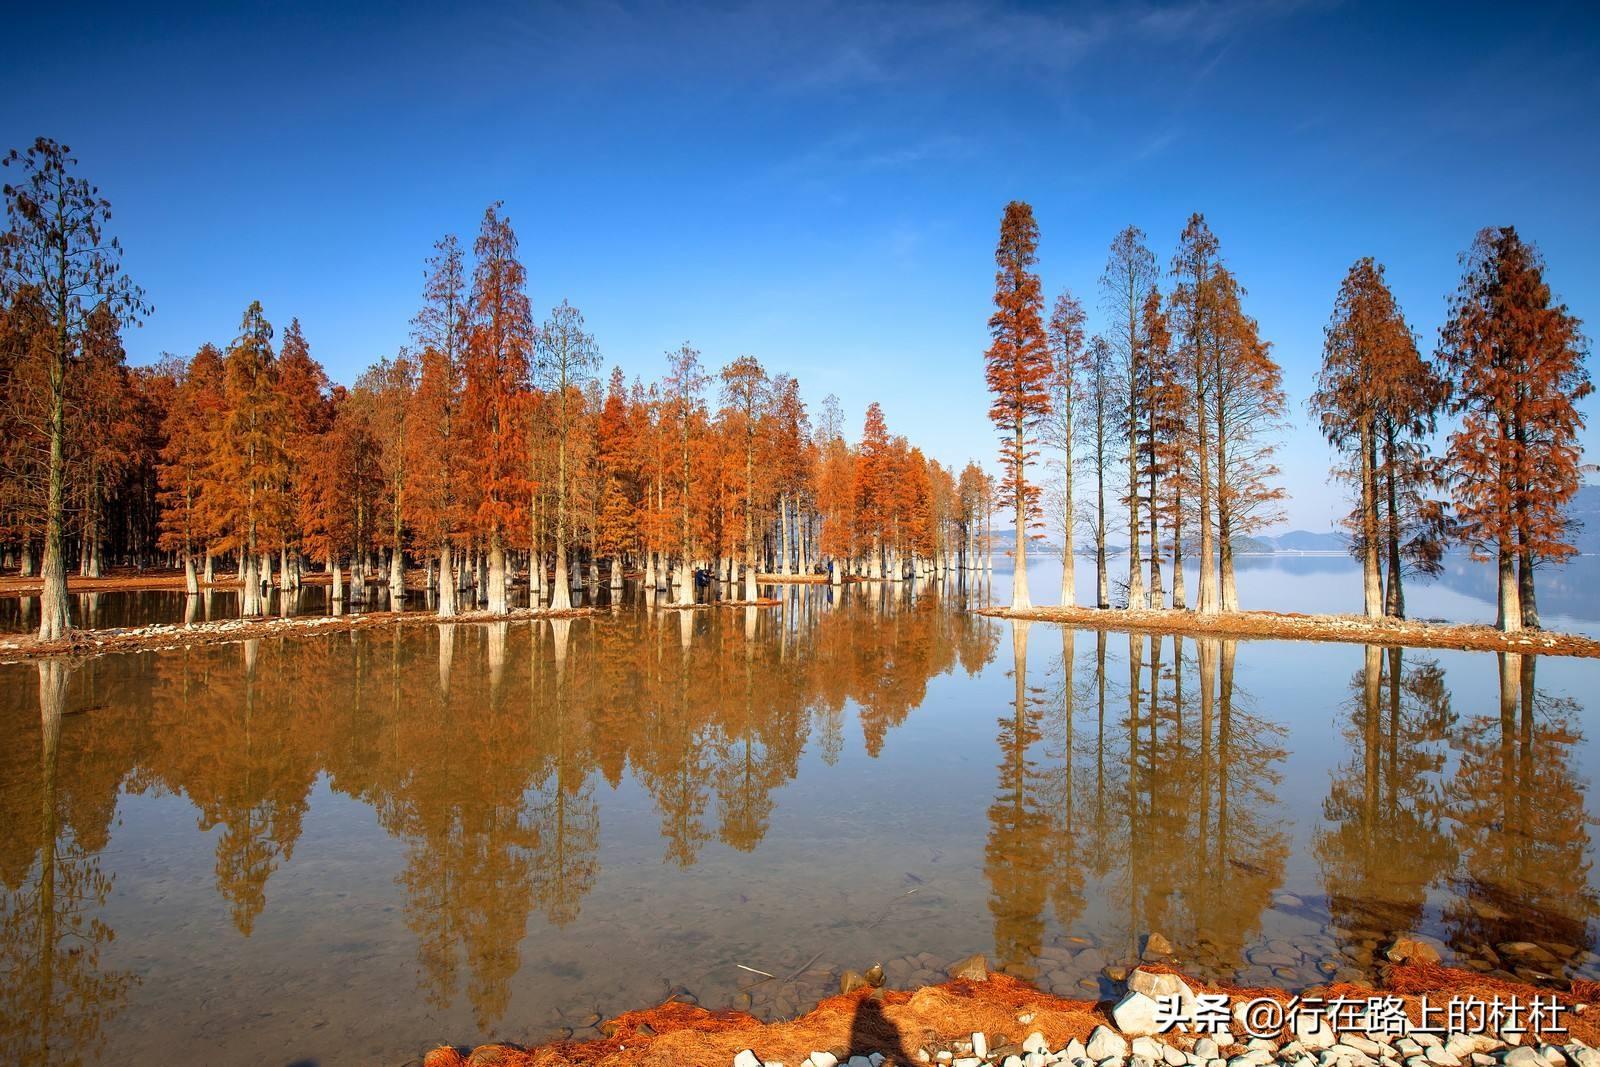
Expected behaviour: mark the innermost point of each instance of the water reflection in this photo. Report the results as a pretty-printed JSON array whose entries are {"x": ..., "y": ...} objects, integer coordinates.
[
  {"x": 1520, "y": 825},
  {"x": 58, "y": 993},
  {"x": 535, "y": 780},
  {"x": 1385, "y": 838}
]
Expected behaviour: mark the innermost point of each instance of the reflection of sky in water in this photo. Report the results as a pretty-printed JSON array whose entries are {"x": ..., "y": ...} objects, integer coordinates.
[{"x": 349, "y": 847}]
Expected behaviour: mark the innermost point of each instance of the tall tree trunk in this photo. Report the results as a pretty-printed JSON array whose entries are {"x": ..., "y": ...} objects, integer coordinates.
[
  {"x": 1371, "y": 582},
  {"x": 1395, "y": 598},
  {"x": 497, "y": 575},
  {"x": 55, "y": 618},
  {"x": 1510, "y": 602},
  {"x": 191, "y": 583},
  {"x": 1069, "y": 555},
  {"x": 1180, "y": 592},
  {"x": 561, "y": 589},
  {"x": 447, "y": 580},
  {"x": 1525, "y": 593},
  {"x": 1020, "y": 601},
  {"x": 686, "y": 581},
  {"x": 1136, "y": 597},
  {"x": 1208, "y": 544},
  {"x": 397, "y": 576},
  {"x": 250, "y": 589},
  {"x": 1157, "y": 593},
  {"x": 784, "y": 547},
  {"x": 1102, "y": 582}
]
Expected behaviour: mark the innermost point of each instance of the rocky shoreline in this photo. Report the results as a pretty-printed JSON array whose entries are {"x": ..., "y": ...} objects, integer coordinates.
[{"x": 981, "y": 1019}]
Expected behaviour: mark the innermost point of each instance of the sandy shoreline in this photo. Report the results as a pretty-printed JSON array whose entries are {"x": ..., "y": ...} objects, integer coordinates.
[
  {"x": 79, "y": 643},
  {"x": 1287, "y": 626}
]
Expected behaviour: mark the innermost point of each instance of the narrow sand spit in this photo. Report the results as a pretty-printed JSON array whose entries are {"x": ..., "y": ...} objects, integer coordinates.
[
  {"x": 21, "y": 647},
  {"x": 1351, "y": 628}
]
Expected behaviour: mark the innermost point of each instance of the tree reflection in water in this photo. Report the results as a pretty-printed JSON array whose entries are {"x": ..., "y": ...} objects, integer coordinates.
[
  {"x": 1521, "y": 826},
  {"x": 56, "y": 993},
  {"x": 1137, "y": 785},
  {"x": 1387, "y": 801},
  {"x": 1164, "y": 816}
]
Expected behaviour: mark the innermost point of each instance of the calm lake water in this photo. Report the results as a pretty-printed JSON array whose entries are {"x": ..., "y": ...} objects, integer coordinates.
[{"x": 346, "y": 848}]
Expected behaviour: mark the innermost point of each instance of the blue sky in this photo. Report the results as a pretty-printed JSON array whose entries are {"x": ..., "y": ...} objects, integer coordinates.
[{"x": 817, "y": 185}]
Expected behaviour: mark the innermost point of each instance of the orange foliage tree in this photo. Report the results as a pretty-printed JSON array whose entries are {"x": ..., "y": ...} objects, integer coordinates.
[
  {"x": 499, "y": 348},
  {"x": 1018, "y": 370},
  {"x": 1515, "y": 359}
]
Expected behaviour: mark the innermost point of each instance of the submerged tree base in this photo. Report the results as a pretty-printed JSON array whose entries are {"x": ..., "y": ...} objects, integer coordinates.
[
  {"x": 911, "y": 1027},
  {"x": 154, "y": 638},
  {"x": 1355, "y": 629}
]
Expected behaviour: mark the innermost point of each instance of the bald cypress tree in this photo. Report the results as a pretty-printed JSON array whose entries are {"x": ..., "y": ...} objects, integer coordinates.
[
  {"x": 56, "y": 257},
  {"x": 1515, "y": 358},
  {"x": 1018, "y": 372}
]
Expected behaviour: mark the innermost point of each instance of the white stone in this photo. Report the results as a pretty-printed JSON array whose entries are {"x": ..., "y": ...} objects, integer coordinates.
[
  {"x": 1312, "y": 1030},
  {"x": 1175, "y": 1057},
  {"x": 1148, "y": 1047},
  {"x": 1482, "y": 1059},
  {"x": 1135, "y": 1014},
  {"x": 1037, "y": 1059},
  {"x": 1442, "y": 1056},
  {"x": 969, "y": 1061},
  {"x": 1524, "y": 1056},
  {"x": 876, "y": 1059},
  {"x": 1105, "y": 1043},
  {"x": 1553, "y": 1055},
  {"x": 980, "y": 1045},
  {"x": 1364, "y": 1045},
  {"x": 823, "y": 1059},
  {"x": 1586, "y": 1057},
  {"x": 859, "y": 1061},
  {"x": 746, "y": 1059},
  {"x": 1206, "y": 1048},
  {"x": 1155, "y": 985},
  {"x": 1074, "y": 1051},
  {"x": 1262, "y": 1043},
  {"x": 1035, "y": 1042},
  {"x": 1426, "y": 1040},
  {"x": 1011, "y": 1061}
]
